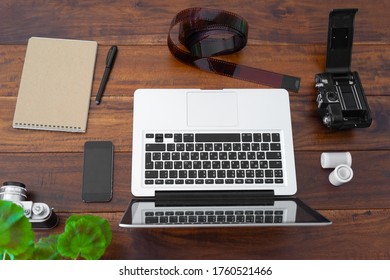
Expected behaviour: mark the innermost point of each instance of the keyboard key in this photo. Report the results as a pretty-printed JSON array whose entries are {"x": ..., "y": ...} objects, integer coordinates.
[
  {"x": 201, "y": 219},
  {"x": 246, "y": 137},
  {"x": 192, "y": 219},
  {"x": 278, "y": 219},
  {"x": 183, "y": 174},
  {"x": 151, "y": 174},
  {"x": 264, "y": 146},
  {"x": 208, "y": 147},
  {"x": 217, "y": 137},
  {"x": 275, "y": 137},
  {"x": 171, "y": 147},
  {"x": 199, "y": 147},
  {"x": 163, "y": 174},
  {"x": 151, "y": 220},
  {"x": 177, "y": 137},
  {"x": 259, "y": 219},
  {"x": 190, "y": 147},
  {"x": 149, "y": 135},
  {"x": 159, "y": 137},
  {"x": 275, "y": 164},
  {"x": 227, "y": 146},
  {"x": 217, "y": 147},
  {"x": 257, "y": 137},
  {"x": 266, "y": 137},
  {"x": 180, "y": 147},
  {"x": 155, "y": 147},
  {"x": 156, "y": 156},
  {"x": 221, "y": 173},
  {"x": 188, "y": 137},
  {"x": 211, "y": 173},
  {"x": 148, "y": 161},
  {"x": 275, "y": 147},
  {"x": 274, "y": 155}
]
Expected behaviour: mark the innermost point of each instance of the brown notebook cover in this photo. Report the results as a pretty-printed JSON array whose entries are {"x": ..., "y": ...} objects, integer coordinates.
[{"x": 56, "y": 83}]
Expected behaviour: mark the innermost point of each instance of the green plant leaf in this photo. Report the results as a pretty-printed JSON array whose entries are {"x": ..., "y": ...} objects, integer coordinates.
[
  {"x": 17, "y": 236},
  {"x": 85, "y": 236},
  {"x": 46, "y": 248}
]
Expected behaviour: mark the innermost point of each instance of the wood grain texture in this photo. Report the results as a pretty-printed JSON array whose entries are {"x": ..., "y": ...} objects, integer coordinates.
[
  {"x": 140, "y": 22},
  {"x": 285, "y": 36},
  {"x": 353, "y": 235},
  {"x": 55, "y": 178},
  {"x": 138, "y": 67}
]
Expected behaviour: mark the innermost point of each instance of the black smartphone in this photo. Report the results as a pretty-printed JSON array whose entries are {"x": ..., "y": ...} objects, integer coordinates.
[{"x": 97, "y": 171}]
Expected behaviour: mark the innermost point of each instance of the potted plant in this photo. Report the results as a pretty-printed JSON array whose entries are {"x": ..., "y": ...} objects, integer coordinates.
[{"x": 84, "y": 237}]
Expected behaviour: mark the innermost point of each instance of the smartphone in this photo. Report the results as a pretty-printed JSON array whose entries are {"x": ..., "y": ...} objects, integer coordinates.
[{"x": 97, "y": 171}]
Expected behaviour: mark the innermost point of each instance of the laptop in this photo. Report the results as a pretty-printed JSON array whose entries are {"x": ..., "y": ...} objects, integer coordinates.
[{"x": 212, "y": 158}]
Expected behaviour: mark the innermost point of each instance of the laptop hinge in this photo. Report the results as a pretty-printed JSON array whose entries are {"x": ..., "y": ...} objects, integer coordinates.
[{"x": 194, "y": 198}]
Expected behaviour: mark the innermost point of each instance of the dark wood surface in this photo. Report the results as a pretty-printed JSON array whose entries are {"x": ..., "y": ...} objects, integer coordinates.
[{"x": 284, "y": 36}]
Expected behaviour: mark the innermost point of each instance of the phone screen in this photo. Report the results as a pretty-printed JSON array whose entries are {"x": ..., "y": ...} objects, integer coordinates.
[{"x": 97, "y": 171}]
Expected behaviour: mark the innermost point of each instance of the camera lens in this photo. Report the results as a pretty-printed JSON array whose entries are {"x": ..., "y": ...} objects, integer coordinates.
[{"x": 13, "y": 191}]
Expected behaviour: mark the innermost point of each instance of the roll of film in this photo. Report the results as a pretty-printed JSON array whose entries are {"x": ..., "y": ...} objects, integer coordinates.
[
  {"x": 341, "y": 175},
  {"x": 341, "y": 162},
  {"x": 334, "y": 159}
]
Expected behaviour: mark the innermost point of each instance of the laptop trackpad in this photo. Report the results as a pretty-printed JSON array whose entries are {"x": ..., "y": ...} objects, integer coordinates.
[{"x": 212, "y": 109}]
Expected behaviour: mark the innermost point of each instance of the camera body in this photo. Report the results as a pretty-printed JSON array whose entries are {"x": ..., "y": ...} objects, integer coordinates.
[
  {"x": 341, "y": 100},
  {"x": 39, "y": 214}
]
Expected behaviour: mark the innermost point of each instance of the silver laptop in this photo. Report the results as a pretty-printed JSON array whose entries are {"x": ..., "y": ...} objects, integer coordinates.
[{"x": 214, "y": 158}]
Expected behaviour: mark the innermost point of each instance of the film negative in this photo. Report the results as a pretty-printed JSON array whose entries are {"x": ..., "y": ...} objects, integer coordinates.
[{"x": 205, "y": 33}]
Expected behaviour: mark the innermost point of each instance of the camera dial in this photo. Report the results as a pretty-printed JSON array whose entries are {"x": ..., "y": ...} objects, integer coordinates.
[{"x": 332, "y": 96}]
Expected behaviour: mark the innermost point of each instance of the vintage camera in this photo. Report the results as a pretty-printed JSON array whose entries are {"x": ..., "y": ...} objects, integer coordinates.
[
  {"x": 39, "y": 214},
  {"x": 340, "y": 99}
]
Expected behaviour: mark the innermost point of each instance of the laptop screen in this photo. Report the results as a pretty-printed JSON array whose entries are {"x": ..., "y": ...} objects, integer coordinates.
[{"x": 275, "y": 212}]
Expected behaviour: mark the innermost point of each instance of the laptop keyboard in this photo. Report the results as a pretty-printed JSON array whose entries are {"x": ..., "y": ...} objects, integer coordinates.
[
  {"x": 213, "y": 158},
  {"x": 214, "y": 217}
]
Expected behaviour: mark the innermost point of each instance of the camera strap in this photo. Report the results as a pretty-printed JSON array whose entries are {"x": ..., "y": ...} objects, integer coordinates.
[{"x": 206, "y": 33}]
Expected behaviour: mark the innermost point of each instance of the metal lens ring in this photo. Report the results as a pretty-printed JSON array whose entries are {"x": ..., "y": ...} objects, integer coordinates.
[{"x": 13, "y": 191}]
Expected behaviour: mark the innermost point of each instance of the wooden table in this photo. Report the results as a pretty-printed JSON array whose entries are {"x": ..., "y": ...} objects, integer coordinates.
[{"x": 284, "y": 36}]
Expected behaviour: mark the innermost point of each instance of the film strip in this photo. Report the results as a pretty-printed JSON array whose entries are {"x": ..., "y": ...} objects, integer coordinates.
[{"x": 205, "y": 33}]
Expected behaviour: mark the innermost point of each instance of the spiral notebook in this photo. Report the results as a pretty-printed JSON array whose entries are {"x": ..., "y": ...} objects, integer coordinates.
[{"x": 56, "y": 83}]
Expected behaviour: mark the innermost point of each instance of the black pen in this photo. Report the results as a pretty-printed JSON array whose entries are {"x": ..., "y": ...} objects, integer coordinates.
[{"x": 109, "y": 64}]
